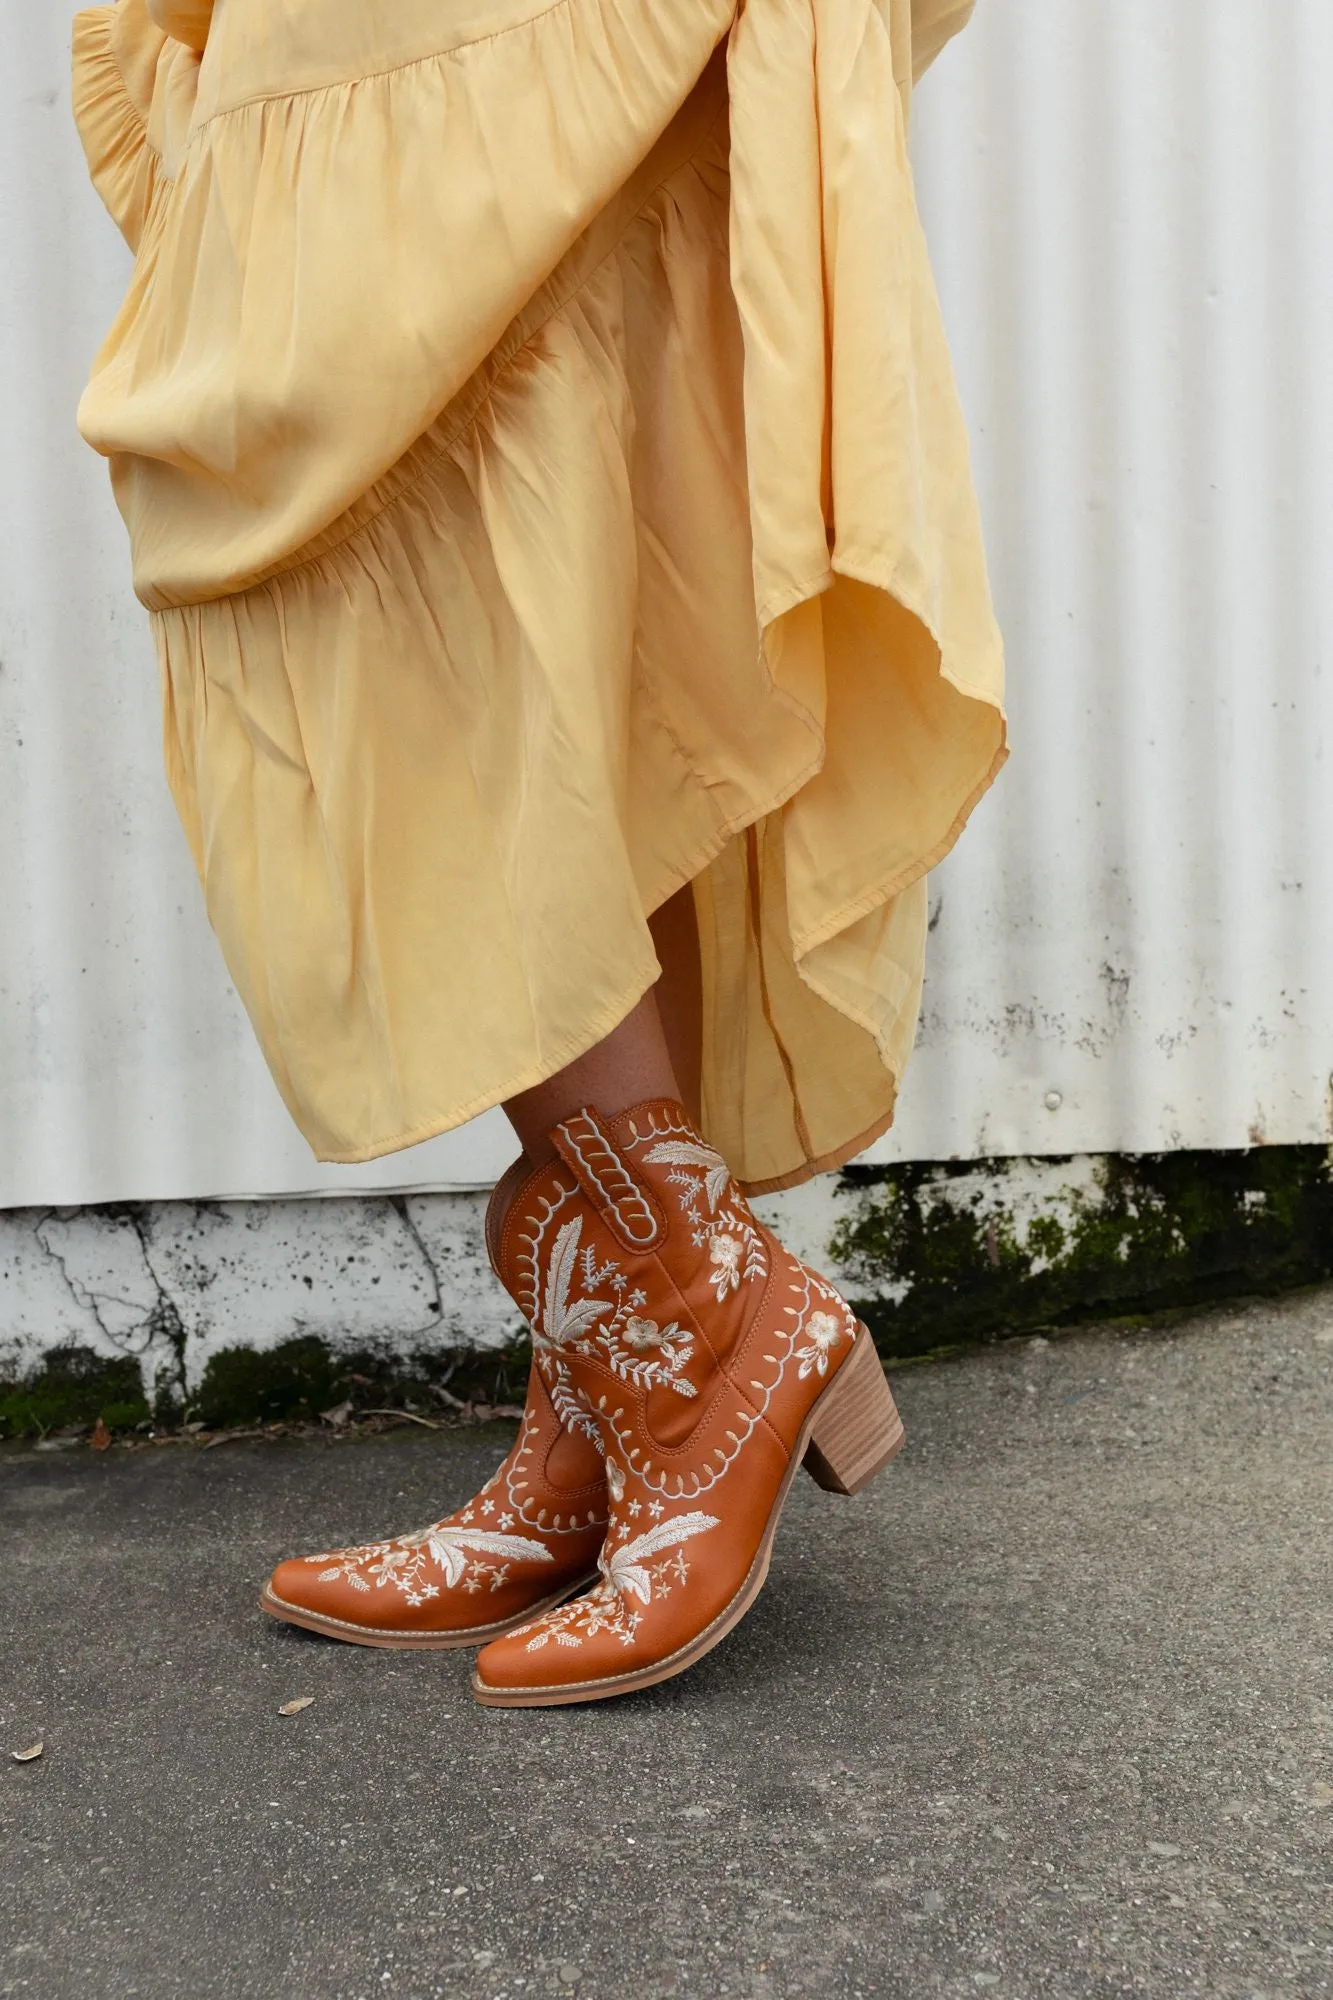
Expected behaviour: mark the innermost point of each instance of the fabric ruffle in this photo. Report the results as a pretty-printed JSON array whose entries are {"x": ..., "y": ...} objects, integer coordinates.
[
  {"x": 112, "y": 118},
  {"x": 335, "y": 262},
  {"x": 637, "y": 548}
]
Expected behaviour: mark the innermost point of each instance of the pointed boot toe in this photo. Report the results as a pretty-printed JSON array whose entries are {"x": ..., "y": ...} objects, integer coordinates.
[
  {"x": 523, "y": 1544},
  {"x": 530, "y": 1537}
]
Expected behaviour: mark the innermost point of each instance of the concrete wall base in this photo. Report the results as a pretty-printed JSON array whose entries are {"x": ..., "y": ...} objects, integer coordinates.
[{"x": 232, "y": 1312}]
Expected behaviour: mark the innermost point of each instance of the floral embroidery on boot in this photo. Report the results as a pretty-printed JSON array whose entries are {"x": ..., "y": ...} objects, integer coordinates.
[
  {"x": 630, "y": 1575},
  {"x": 524, "y": 1542},
  {"x": 701, "y": 1357}
]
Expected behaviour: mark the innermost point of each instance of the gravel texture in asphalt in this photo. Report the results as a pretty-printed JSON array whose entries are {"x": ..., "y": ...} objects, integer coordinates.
[{"x": 1044, "y": 1712}]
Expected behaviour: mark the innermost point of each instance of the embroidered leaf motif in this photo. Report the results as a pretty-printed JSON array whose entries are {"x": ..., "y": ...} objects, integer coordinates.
[
  {"x": 686, "y": 1153},
  {"x": 563, "y": 1320},
  {"x": 570, "y": 1411},
  {"x": 647, "y": 1374},
  {"x": 451, "y": 1547},
  {"x": 624, "y": 1567}
]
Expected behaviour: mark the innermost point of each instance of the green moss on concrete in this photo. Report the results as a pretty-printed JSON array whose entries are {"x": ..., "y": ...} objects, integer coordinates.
[
  {"x": 936, "y": 1254},
  {"x": 74, "y": 1388},
  {"x": 300, "y": 1378}
]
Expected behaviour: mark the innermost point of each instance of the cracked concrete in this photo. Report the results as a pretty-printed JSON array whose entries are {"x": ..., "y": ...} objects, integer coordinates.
[
  {"x": 172, "y": 1283},
  {"x": 1046, "y": 1714}
]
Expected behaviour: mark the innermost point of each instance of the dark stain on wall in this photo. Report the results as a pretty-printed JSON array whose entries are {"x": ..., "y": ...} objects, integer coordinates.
[{"x": 1160, "y": 1231}]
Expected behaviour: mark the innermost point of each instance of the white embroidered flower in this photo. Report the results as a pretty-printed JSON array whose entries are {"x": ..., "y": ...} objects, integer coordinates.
[
  {"x": 383, "y": 1568},
  {"x": 822, "y": 1331},
  {"x": 724, "y": 1254},
  {"x": 641, "y": 1333}
]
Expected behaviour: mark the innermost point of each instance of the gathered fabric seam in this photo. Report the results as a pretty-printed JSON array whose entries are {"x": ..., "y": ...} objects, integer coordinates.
[
  {"x": 503, "y": 358},
  {"x": 374, "y": 75}
]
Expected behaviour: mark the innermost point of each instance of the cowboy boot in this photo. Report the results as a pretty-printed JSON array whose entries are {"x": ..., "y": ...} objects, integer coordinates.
[
  {"x": 529, "y": 1538},
  {"x": 707, "y": 1362}
]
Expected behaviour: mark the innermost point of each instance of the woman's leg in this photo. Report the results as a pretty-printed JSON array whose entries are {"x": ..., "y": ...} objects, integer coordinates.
[
  {"x": 655, "y": 1051},
  {"x": 626, "y": 1067},
  {"x": 680, "y": 992}
]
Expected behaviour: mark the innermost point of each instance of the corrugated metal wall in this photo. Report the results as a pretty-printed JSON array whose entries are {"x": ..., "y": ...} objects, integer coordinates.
[
  {"x": 1129, "y": 207},
  {"x": 1134, "y": 945}
]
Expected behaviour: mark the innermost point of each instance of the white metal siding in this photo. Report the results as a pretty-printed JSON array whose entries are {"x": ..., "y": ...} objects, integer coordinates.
[{"x": 1128, "y": 207}]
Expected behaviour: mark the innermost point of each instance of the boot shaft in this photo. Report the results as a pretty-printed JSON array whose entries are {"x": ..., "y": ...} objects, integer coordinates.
[{"x": 667, "y": 1321}]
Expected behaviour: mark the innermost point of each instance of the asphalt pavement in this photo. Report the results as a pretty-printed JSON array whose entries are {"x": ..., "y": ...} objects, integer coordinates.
[{"x": 1044, "y": 1712}]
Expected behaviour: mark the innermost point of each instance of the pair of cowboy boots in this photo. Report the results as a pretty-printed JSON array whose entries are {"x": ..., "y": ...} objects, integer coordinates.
[{"x": 684, "y": 1366}]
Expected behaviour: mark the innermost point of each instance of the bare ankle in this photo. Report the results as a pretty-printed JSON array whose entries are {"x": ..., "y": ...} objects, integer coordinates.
[{"x": 626, "y": 1067}]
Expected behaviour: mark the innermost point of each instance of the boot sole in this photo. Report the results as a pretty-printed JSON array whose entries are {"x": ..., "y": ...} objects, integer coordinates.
[
  {"x": 411, "y": 1642},
  {"x": 851, "y": 1433}
]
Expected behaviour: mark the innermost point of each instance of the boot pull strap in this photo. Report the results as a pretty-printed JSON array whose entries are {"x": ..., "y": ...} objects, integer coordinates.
[{"x": 620, "y": 1198}]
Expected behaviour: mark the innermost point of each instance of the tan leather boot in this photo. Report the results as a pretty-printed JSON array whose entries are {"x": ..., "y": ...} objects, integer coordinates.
[
  {"x": 708, "y": 1361},
  {"x": 530, "y": 1537}
]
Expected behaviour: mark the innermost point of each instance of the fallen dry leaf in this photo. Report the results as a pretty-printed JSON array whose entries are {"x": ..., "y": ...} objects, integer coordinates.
[
  {"x": 101, "y": 1437},
  {"x": 230, "y": 1437},
  {"x": 407, "y": 1417},
  {"x": 27, "y": 1756},
  {"x": 295, "y": 1707}
]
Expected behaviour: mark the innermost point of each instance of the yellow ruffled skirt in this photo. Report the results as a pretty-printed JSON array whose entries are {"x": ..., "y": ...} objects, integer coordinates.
[{"x": 546, "y": 482}]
